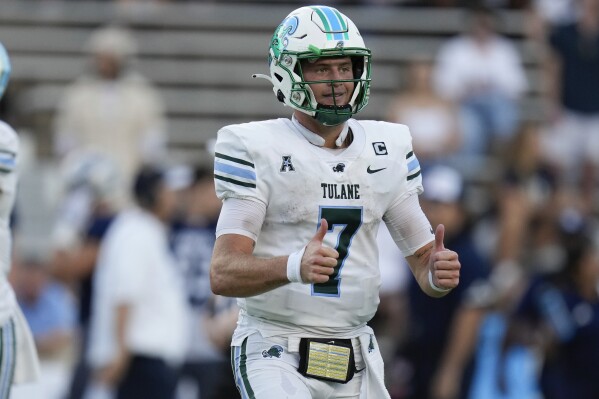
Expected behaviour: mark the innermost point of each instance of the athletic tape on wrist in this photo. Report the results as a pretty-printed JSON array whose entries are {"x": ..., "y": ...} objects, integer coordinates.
[
  {"x": 430, "y": 281},
  {"x": 294, "y": 266}
]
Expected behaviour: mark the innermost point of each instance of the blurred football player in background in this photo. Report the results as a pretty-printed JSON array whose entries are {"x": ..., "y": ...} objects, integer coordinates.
[{"x": 18, "y": 356}]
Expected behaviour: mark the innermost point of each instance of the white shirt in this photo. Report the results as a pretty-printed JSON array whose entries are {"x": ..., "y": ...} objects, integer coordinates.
[
  {"x": 135, "y": 267},
  {"x": 464, "y": 67}
]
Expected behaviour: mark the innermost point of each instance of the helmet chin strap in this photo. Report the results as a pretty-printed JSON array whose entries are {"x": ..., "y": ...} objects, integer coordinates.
[{"x": 333, "y": 118}]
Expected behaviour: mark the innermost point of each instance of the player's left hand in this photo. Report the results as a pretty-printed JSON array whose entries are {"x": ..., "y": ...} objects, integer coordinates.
[{"x": 444, "y": 264}]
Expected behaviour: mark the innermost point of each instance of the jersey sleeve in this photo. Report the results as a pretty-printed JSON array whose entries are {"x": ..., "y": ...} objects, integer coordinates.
[
  {"x": 414, "y": 175},
  {"x": 411, "y": 176},
  {"x": 235, "y": 170}
]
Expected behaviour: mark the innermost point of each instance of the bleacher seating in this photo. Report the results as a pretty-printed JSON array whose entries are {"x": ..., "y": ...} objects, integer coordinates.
[{"x": 201, "y": 55}]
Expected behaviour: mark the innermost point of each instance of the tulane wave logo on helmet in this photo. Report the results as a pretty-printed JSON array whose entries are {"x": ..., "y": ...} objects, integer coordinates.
[{"x": 280, "y": 38}]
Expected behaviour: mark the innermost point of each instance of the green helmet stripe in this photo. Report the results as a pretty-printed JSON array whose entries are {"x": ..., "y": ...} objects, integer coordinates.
[
  {"x": 343, "y": 25},
  {"x": 325, "y": 22}
]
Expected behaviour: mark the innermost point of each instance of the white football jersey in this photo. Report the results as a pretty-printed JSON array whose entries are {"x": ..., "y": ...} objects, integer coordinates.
[
  {"x": 300, "y": 183},
  {"x": 9, "y": 148}
]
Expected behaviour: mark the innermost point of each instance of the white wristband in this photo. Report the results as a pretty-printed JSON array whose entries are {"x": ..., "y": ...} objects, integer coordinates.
[
  {"x": 430, "y": 281},
  {"x": 294, "y": 266}
]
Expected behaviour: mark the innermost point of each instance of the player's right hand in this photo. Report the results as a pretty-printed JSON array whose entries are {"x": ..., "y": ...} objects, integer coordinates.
[{"x": 319, "y": 260}]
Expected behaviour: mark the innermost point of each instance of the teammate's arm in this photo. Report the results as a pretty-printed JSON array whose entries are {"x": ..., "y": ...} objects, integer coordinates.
[{"x": 236, "y": 272}]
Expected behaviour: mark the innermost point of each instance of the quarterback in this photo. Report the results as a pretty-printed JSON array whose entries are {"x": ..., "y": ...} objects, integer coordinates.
[
  {"x": 18, "y": 356},
  {"x": 302, "y": 202}
]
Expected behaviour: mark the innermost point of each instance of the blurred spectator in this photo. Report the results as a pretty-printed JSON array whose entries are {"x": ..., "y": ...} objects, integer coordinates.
[
  {"x": 527, "y": 197},
  {"x": 442, "y": 334},
  {"x": 573, "y": 90},
  {"x": 555, "y": 12},
  {"x": 112, "y": 109},
  {"x": 138, "y": 326},
  {"x": 527, "y": 194},
  {"x": 559, "y": 315},
  {"x": 206, "y": 373},
  {"x": 48, "y": 307},
  {"x": 90, "y": 183},
  {"x": 391, "y": 318},
  {"x": 88, "y": 208},
  {"x": 433, "y": 121},
  {"x": 483, "y": 73},
  {"x": 50, "y": 312}
]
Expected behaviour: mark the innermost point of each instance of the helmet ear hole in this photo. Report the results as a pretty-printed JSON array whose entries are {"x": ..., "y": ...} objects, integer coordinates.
[
  {"x": 279, "y": 77},
  {"x": 357, "y": 66},
  {"x": 280, "y": 96}
]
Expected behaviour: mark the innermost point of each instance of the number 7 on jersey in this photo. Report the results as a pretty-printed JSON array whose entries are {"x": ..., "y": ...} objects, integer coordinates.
[{"x": 350, "y": 218}]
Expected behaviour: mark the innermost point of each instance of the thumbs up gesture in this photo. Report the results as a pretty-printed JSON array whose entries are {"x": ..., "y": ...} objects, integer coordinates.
[
  {"x": 444, "y": 264},
  {"x": 319, "y": 260}
]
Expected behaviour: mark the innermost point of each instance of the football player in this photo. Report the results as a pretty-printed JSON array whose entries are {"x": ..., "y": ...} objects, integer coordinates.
[
  {"x": 18, "y": 356},
  {"x": 302, "y": 202}
]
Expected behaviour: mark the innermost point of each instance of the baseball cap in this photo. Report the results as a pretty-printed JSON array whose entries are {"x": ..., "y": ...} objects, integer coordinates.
[{"x": 442, "y": 184}]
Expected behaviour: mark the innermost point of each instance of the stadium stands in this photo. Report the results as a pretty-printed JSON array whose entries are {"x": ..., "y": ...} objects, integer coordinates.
[{"x": 201, "y": 56}]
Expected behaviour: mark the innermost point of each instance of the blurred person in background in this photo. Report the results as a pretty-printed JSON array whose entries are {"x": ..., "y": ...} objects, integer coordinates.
[
  {"x": 433, "y": 121},
  {"x": 482, "y": 72},
  {"x": 206, "y": 373},
  {"x": 573, "y": 96},
  {"x": 112, "y": 108},
  {"x": 526, "y": 195},
  {"x": 545, "y": 15},
  {"x": 528, "y": 192},
  {"x": 18, "y": 356},
  {"x": 558, "y": 317},
  {"x": 441, "y": 337},
  {"x": 50, "y": 311},
  {"x": 390, "y": 320},
  {"x": 88, "y": 207},
  {"x": 138, "y": 334}
]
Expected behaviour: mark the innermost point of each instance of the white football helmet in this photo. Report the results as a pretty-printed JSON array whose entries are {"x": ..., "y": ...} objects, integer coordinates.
[
  {"x": 4, "y": 69},
  {"x": 311, "y": 33}
]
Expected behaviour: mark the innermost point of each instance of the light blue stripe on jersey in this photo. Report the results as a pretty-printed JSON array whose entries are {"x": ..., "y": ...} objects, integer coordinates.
[
  {"x": 7, "y": 161},
  {"x": 333, "y": 21},
  {"x": 413, "y": 165},
  {"x": 234, "y": 171}
]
